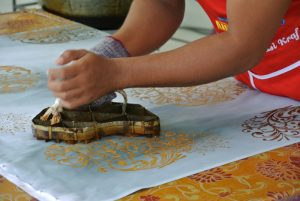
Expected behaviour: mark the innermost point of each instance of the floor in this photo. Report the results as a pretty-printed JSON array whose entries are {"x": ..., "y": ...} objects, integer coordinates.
[{"x": 194, "y": 26}]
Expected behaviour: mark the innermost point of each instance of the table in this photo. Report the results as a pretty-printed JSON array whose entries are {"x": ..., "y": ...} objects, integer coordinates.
[{"x": 273, "y": 175}]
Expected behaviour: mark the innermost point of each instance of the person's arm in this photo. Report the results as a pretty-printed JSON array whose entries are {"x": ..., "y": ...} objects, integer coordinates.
[
  {"x": 252, "y": 25},
  {"x": 149, "y": 24}
]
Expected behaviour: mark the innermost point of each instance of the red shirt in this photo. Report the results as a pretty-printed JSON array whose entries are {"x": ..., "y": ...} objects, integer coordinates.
[{"x": 278, "y": 72}]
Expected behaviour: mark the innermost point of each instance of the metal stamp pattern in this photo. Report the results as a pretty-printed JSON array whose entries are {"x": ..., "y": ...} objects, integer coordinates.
[
  {"x": 275, "y": 125},
  {"x": 213, "y": 93},
  {"x": 133, "y": 154}
]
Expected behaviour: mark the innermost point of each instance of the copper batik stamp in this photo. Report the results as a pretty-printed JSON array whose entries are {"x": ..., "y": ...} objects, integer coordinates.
[{"x": 89, "y": 124}]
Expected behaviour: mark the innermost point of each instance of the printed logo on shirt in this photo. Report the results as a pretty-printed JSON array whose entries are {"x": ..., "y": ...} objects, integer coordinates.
[
  {"x": 292, "y": 37},
  {"x": 222, "y": 24}
]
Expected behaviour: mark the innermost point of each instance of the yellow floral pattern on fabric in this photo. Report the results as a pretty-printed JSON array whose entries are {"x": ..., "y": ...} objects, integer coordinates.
[
  {"x": 63, "y": 34},
  {"x": 28, "y": 20},
  {"x": 279, "y": 124},
  {"x": 270, "y": 176},
  {"x": 131, "y": 154},
  {"x": 15, "y": 79},
  {"x": 212, "y": 93}
]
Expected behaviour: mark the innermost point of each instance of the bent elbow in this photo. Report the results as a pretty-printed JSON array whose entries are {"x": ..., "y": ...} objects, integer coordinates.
[{"x": 248, "y": 59}]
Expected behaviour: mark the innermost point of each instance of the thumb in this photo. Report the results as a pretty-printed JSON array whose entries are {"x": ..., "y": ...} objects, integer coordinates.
[{"x": 70, "y": 55}]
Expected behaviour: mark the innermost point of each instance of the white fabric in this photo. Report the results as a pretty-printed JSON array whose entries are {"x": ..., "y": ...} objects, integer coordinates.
[{"x": 216, "y": 131}]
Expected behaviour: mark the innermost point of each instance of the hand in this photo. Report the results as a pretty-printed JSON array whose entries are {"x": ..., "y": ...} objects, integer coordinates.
[{"x": 87, "y": 77}]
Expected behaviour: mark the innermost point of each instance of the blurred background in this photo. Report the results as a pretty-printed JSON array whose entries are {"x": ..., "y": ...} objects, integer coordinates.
[{"x": 107, "y": 17}]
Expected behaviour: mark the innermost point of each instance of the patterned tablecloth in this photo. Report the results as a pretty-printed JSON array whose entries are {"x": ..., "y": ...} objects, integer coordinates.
[{"x": 273, "y": 175}]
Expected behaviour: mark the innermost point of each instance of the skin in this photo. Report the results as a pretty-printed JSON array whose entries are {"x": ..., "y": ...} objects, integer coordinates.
[{"x": 252, "y": 25}]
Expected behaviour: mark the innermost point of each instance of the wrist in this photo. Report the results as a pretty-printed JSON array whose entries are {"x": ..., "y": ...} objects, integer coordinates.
[
  {"x": 110, "y": 47},
  {"x": 122, "y": 74},
  {"x": 131, "y": 72}
]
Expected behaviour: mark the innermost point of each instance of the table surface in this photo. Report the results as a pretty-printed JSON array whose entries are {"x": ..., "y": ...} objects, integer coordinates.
[{"x": 274, "y": 175}]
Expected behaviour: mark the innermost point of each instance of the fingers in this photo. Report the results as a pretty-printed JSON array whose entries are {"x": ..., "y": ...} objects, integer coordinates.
[
  {"x": 77, "y": 101},
  {"x": 67, "y": 96},
  {"x": 64, "y": 85},
  {"x": 78, "y": 83},
  {"x": 70, "y": 55},
  {"x": 64, "y": 73},
  {"x": 71, "y": 96}
]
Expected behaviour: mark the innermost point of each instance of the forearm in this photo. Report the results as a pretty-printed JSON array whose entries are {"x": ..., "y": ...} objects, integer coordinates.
[
  {"x": 252, "y": 25},
  {"x": 206, "y": 60},
  {"x": 214, "y": 57},
  {"x": 150, "y": 24}
]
